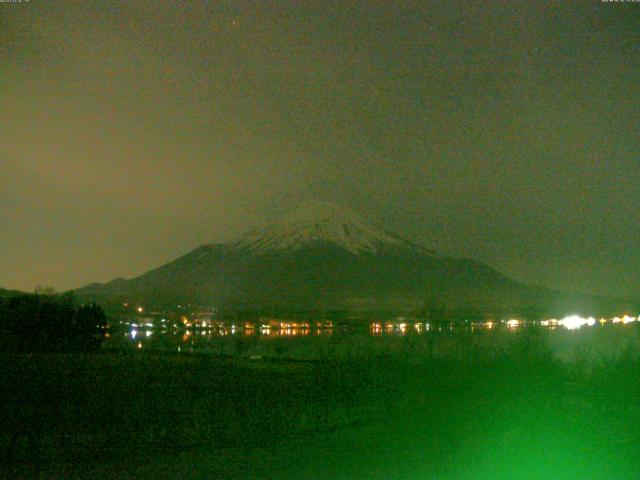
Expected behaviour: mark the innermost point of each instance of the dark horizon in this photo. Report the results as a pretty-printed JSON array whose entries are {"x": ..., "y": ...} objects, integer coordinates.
[{"x": 133, "y": 133}]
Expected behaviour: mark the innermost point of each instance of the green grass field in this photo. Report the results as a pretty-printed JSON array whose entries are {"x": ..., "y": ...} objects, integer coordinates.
[{"x": 513, "y": 414}]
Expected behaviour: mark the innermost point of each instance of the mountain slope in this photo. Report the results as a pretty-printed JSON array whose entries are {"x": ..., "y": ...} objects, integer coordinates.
[
  {"x": 323, "y": 221},
  {"x": 325, "y": 257},
  {"x": 4, "y": 293}
]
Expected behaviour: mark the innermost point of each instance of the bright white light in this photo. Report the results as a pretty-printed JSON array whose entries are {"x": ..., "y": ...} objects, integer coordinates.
[
  {"x": 627, "y": 319},
  {"x": 148, "y": 333},
  {"x": 573, "y": 322},
  {"x": 140, "y": 309},
  {"x": 513, "y": 323},
  {"x": 133, "y": 334}
]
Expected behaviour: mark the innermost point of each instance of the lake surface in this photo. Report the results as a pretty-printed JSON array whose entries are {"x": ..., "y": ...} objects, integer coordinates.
[{"x": 311, "y": 340}]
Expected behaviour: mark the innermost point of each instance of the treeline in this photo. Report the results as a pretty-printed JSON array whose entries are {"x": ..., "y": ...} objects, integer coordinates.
[{"x": 50, "y": 323}]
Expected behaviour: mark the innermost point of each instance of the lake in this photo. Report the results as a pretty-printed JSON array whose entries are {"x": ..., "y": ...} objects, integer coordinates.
[{"x": 314, "y": 340}]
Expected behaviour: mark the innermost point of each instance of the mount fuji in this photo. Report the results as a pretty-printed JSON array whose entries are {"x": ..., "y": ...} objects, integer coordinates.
[
  {"x": 322, "y": 257},
  {"x": 323, "y": 222}
]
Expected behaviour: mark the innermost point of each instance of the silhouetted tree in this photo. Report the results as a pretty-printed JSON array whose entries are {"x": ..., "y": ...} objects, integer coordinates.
[
  {"x": 50, "y": 323},
  {"x": 40, "y": 290}
]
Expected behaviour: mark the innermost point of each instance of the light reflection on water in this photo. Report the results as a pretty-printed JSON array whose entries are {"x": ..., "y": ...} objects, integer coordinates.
[{"x": 229, "y": 337}]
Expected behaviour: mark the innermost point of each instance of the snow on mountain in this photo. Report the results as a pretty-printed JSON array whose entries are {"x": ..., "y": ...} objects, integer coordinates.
[
  {"x": 322, "y": 221},
  {"x": 324, "y": 257}
]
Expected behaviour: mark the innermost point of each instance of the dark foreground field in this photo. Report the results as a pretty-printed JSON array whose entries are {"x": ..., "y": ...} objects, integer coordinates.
[{"x": 512, "y": 414}]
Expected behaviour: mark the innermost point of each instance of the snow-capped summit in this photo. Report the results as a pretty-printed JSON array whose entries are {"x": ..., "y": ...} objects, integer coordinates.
[
  {"x": 320, "y": 257},
  {"x": 322, "y": 221}
]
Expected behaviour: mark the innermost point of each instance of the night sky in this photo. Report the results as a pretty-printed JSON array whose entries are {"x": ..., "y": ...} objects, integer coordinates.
[{"x": 133, "y": 132}]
